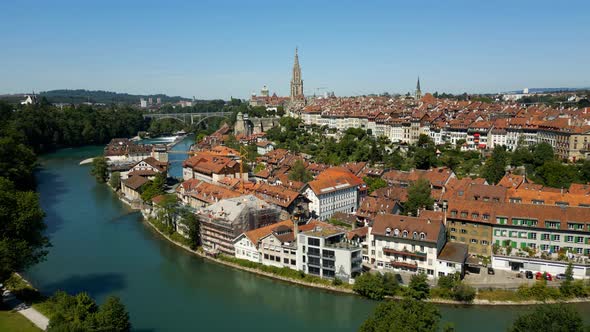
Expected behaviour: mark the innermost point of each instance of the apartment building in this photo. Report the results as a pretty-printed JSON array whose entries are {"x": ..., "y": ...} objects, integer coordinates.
[
  {"x": 334, "y": 190},
  {"x": 404, "y": 243},
  {"x": 326, "y": 252}
]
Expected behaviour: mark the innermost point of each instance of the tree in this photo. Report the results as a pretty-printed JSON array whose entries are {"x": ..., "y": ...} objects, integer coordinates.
[
  {"x": 100, "y": 169},
  {"x": 80, "y": 313},
  {"x": 463, "y": 292},
  {"x": 495, "y": 167},
  {"x": 547, "y": 317},
  {"x": 299, "y": 173},
  {"x": 22, "y": 243},
  {"x": 419, "y": 196},
  {"x": 166, "y": 210},
  {"x": 192, "y": 224},
  {"x": 374, "y": 183},
  {"x": 115, "y": 180},
  {"x": 153, "y": 188},
  {"x": 407, "y": 315},
  {"x": 542, "y": 153},
  {"x": 425, "y": 153},
  {"x": 555, "y": 174},
  {"x": 418, "y": 288},
  {"x": 369, "y": 285},
  {"x": 112, "y": 316},
  {"x": 17, "y": 163},
  {"x": 566, "y": 287},
  {"x": 390, "y": 283}
]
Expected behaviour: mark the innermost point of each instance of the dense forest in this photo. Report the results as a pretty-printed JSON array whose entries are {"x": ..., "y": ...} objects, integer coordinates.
[
  {"x": 103, "y": 97},
  {"x": 26, "y": 131}
]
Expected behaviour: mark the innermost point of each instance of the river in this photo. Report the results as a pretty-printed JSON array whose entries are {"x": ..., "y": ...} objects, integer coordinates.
[{"x": 101, "y": 247}]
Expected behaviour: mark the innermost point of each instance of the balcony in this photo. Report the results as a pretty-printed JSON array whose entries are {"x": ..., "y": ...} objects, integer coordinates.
[
  {"x": 404, "y": 253},
  {"x": 404, "y": 265}
]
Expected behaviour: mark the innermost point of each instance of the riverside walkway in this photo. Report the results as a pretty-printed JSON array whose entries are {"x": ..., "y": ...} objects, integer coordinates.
[{"x": 29, "y": 312}]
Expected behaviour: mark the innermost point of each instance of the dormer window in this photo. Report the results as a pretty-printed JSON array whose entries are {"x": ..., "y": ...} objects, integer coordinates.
[
  {"x": 415, "y": 235},
  {"x": 396, "y": 232},
  {"x": 388, "y": 231},
  {"x": 422, "y": 236},
  {"x": 453, "y": 213},
  {"x": 405, "y": 234}
]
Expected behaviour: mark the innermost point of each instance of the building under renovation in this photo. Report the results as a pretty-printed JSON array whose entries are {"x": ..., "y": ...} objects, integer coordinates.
[{"x": 223, "y": 221}]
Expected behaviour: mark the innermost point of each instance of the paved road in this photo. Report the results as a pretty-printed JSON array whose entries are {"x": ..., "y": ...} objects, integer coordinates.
[{"x": 29, "y": 312}]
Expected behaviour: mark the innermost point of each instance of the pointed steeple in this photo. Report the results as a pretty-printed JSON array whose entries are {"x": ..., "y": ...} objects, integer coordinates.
[
  {"x": 296, "y": 81},
  {"x": 418, "y": 93}
]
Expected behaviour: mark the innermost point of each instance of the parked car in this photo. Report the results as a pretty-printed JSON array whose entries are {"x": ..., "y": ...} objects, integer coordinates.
[
  {"x": 548, "y": 277},
  {"x": 491, "y": 270},
  {"x": 539, "y": 276},
  {"x": 528, "y": 274},
  {"x": 561, "y": 276}
]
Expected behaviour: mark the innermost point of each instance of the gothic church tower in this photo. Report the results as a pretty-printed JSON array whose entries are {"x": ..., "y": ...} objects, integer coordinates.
[
  {"x": 418, "y": 91},
  {"x": 296, "y": 81}
]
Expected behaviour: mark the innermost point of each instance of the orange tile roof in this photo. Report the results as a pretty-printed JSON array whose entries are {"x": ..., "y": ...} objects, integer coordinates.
[{"x": 334, "y": 178}]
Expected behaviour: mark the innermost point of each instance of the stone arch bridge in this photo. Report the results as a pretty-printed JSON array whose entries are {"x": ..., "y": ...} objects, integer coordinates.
[{"x": 192, "y": 118}]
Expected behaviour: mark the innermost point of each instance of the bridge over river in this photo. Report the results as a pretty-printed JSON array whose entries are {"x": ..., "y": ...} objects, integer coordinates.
[{"x": 186, "y": 117}]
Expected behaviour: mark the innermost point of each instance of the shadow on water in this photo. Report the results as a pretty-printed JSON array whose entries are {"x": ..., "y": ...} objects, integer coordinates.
[
  {"x": 95, "y": 285},
  {"x": 48, "y": 181}
]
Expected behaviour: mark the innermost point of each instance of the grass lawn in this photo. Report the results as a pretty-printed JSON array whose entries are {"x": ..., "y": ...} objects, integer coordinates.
[{"x": 14, "y": 322}]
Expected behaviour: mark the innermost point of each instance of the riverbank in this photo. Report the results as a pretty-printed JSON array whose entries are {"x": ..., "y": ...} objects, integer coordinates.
[
  {"x": 347, "y": 289},
  {"x": 20, "y": 297},
  {"x": 201, "y": 254}
]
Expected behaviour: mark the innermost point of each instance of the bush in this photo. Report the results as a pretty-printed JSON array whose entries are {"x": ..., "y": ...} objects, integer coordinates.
[
  {"x": 369, "y": 285},
  {"x": 557, "y": 317},
  {"x": 336, "y": 281},
  {"x": 419, "y": 288},
  {"x": 464, "y": 293}
]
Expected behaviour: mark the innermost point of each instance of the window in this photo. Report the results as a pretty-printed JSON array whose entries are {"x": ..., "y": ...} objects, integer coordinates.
[
  {"x": 405, "y": 234},
  {"x": 569, "y": 238},
  {"x": 285, "y": 260},
  {"x": 532, "y": 236},
  {"x": 579, "y": 239},
  {"x": 312, "y": 241},
  {"x": 552, "y": 224},
  {"x": 450, "y": 264},
  {"x": 538, "y": 201},
  {"x": 453, "y": 213},
  {"x": 484, "y": 242},
  {"x": 474, "y": 215},
  {"x": 486, "y": 216},
  {"x": 555, "y": 237},
  {"x": 265, "y": 256},
  {"x": 474, "y": 241},
  {"x": 463, "y": 231},
  {"x": 293, "y": 262},
  {"x": 430, "y": 272},
  {"x": 545, "y": 237},
  {"x": 453, "y": 237},
  {"x": 463, "y": 214}
]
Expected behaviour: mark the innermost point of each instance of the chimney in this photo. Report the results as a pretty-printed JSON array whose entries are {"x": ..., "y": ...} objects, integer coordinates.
[{"x": 295, "y": 228}]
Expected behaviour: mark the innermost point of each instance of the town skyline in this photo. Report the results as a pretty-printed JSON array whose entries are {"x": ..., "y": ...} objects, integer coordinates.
[{"x": 454, "y": 49}]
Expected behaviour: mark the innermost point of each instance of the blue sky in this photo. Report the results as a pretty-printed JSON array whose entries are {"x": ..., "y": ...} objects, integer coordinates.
[{"x": 218, "y": 49}]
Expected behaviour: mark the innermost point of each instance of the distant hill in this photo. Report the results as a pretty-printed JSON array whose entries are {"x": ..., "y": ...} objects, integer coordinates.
[{"x": 104, "y": 97}]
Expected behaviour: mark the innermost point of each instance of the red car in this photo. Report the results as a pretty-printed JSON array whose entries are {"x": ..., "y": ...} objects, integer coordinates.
[{"x": 539, "y": 276}]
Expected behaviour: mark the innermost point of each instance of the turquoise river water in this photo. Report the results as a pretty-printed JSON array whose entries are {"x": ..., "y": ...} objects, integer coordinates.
[{"x": 101, "y": 247}]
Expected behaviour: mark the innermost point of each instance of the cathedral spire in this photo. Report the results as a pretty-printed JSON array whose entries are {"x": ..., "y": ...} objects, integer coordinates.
[
  {"x": 296, "y": 81},
  {"x": 418, "y": 91}
]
